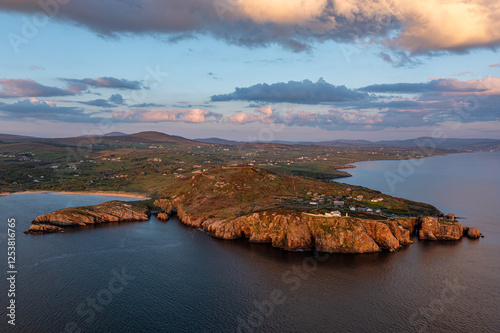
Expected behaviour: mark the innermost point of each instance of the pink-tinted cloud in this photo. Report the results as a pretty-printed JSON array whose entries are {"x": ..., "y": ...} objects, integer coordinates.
[
  {"x": 158, "y": 115},
  {"x": 29, "y": 88},
  {"x": 263, "y": 115},
  {"x": 413, "y": 26},
  {"x": 79, "y": 85},
  {"x": 489, "y": 85},
  {"x": 332, "y": 119}
]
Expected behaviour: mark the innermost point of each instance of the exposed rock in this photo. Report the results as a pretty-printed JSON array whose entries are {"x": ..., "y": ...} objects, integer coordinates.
[
  {"x": 383, "y": 235},
  {"x": 163, "y": 217},
  {"x": 432, "y": 229},
  {"x": 299, "y": 231},
  {"x": 111, "y": 211},
  {"x": 164, "y": 204},
  {"x": 472, "y": 233},
  {"x": 409, "y": 223},
  {"x": 42, "y": 229},
  {"x": 341, "y": 235}
]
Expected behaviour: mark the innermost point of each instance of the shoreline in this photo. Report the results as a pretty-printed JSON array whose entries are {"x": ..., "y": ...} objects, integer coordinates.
[
  {"x": 104, "y": 194},
  {"x": 353, "y": 166}
]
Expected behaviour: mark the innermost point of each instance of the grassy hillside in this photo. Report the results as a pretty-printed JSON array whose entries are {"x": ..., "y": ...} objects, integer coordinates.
[
  {"x": 148, "y": 162},
  {"x": 235, "y": 191}
]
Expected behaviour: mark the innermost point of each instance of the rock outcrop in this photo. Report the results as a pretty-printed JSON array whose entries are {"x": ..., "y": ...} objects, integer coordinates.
[
  {"x": 112, "y": 211},
  {"x": 43, "y": 229},
  {"x": 163, "y": 217},
  {"x": 301, "y": 231},
  {"x": 433, "y": 229},
  {"x": 472, "y": 233}
]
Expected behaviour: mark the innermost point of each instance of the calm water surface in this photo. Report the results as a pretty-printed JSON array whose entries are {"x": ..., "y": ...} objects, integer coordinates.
[{"x": 181, "y": 280}]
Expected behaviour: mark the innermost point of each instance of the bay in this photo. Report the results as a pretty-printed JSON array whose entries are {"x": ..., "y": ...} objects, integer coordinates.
[{"x": 178, "y": 279}]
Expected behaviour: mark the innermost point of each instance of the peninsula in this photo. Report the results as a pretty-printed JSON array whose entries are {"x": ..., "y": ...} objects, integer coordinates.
[{"x": 289, "y": 212}]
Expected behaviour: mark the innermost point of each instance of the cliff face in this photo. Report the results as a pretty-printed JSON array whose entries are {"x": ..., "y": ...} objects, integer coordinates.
[
  {"x": 432, "y": 229},
  {"x": 300, "y": 231},
  {"x": 472, "y": 233},
  {"x": 112, "y": 211}
]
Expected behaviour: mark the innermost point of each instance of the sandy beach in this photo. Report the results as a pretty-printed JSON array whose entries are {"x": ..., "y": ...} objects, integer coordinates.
[{"x": 110, "y": 194}]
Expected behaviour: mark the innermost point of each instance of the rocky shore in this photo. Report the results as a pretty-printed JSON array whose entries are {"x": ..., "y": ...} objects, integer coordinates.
[
  {"x": 302, "y": 231},
  {"x": 288, "y": 212},
  {"x": 281, "y": 228},
  {"x": 111, "y": 211}
]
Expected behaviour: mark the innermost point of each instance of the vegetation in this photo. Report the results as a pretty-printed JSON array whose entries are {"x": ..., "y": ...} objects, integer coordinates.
[
  {"x": 149, "y": 162},
  {"x": 240, "y": 190}
]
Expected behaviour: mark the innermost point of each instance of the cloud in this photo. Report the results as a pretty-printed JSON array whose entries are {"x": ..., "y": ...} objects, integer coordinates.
[
  {"x": 434, "y": 103},
  {"x": 33, "y": 108},
  {"x": 79, "y": 85},
  {"x": 148, "y": 105},
  {"x": 157, "y": 115},
  {"x": 212, "y": 75},
  {"x": 34, "y": 67},
  {"x": 425, "y": 26},
  {"x": 263, "y": 115},
  {"x": 283, "y": 11},
  {"x": 331, "y": 120},
  {"x": 305, "y": 92},
  {"x": 29, "y": 88},
  {"x": 489, "y": 84},
  {"x": 495, "y": 65},
  {"x": 117, "y": 99},
  {"x": 100, "y": 103},
  {"x": 114, "y": 101}
]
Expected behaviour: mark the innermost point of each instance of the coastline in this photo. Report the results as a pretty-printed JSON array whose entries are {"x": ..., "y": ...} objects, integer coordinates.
[
  {"x": 104, "y": 194},
  {"x": 352, "y": 165}
]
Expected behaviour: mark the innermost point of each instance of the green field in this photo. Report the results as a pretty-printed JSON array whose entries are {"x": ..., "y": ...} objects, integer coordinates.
[{"x": 149, "y": 162}]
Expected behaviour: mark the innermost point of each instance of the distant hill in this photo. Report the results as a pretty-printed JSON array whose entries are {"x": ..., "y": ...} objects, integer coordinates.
[
  {"x": 347, "y": 143},
  {"x": 115, "y": 134},
  {"x": 218, "y": 141},
  {"x": 162, "y": 138},
  {"x": 110, "y": 138},
  {"x": 451, "y": 143},
  {"x": 14, "y": 138},
  {"x": 107, "y": 134},
  {"x": 156, "y": 137}
]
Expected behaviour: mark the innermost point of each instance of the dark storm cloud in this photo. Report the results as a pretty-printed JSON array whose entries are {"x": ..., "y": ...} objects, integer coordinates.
[
  {"x": 305, "y": 92},
  {"x": 79, "y": 85},
  {"x": 40, "y": 110},
  {"x": 29, "y": 88}
]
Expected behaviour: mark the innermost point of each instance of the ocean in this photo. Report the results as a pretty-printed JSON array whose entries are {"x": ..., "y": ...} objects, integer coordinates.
[{"x": 166, "y": 277}]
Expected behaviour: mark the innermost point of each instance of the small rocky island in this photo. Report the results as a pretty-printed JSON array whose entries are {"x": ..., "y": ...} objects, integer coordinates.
[
  {"x": 291, "y": 213},
  {"x": 111, "y": 211}
]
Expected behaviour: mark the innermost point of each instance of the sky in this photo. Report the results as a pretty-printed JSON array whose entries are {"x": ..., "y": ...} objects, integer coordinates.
[{"x": 295, "y": 70}]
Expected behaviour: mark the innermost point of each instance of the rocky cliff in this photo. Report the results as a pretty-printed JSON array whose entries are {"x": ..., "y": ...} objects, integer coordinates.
[
  {"x": 433, "y": 229},
  {"x": 247, "y": 202},
  {"x": 301, "y": 231},
  {"x": 112, "y": 211}
]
